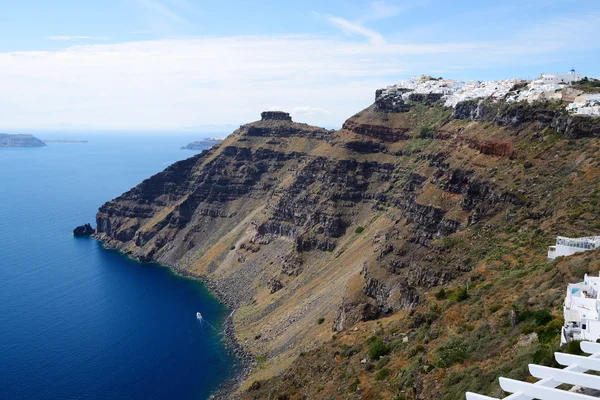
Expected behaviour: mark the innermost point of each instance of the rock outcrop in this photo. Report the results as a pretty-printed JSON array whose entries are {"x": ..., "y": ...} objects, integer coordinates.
[
  {"x": 84, "y": 230},
  {"x": 275, "y": 115},
  {"x": 516, "y": 115},
  {"x": 203, "y": 144}
]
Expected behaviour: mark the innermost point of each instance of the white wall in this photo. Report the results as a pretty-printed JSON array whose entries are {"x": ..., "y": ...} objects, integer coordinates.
[
  {"x": 557, "y": 78},
  {"x": 562, "y": 251}
]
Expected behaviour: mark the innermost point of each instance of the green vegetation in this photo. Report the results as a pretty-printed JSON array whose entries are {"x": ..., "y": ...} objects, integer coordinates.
[
  {"x": 382, "y": 374},
  {"x": 359, "y": 229},
  {"x": 588, "y": 83},
  {"x": 573, "y": 347},
  {"x": 539, "y": 317},
  {"x": 448, "y": 242},
  {"x": 495, "y": 307},
  {"x": 349, "y": 351},
  {"x": 453, "y": 352},
  {"x": 377, "y": 348},
  {"x": 320, "y": 321},
  {"x": 426, "y": 132},
  {"x": 441, "y": 294},
  {"x": 461, "y": 294}
]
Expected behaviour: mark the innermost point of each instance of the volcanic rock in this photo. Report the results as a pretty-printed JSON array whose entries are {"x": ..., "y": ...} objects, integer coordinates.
[{"x": 83, "y": 230}]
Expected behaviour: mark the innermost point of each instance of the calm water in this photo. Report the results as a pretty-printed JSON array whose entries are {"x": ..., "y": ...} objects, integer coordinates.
[{"x": 81, "y": 322}]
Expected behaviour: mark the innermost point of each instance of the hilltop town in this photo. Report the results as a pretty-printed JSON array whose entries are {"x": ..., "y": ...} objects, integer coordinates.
[{"x": 551, "y": 87}]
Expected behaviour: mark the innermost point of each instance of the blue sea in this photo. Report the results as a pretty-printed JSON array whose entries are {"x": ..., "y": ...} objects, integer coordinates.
[{"x": 81, "y": 322}]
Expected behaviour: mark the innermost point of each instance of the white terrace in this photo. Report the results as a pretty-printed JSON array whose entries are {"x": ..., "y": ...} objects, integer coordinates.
[
  {"x": 566, "y": 246},
  {"x": 581, "y": 310},
  {"x": 546, "y": 388},
  {"x": 586, "y": 104}
]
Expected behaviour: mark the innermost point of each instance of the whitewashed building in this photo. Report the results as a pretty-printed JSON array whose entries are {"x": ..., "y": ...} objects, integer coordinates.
[
  {"x": 553, "y": 79},
  {"x": 581, "y": 311},
  {"x": 566, "y": 246},
  {"x": 549, "y": 87},
  {"x": 585, "y": 104}
]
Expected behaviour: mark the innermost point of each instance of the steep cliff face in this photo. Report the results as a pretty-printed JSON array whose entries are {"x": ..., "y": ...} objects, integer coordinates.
[{"x": 308, "y": 231}]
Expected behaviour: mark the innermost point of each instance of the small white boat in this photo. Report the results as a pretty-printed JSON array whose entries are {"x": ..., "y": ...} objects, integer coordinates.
[{"x": 198, "y": 315}]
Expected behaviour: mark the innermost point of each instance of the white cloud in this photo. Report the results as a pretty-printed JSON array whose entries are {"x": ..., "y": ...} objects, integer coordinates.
[
  {"x": 352, "y": 28},
  {"x": 161, "y": 9},
  {"x": 165, "y": 84},
  {"x": 382, "y": 9},
  {"x": 307, "y": 110},
  {"x": 68, "y": 38}
]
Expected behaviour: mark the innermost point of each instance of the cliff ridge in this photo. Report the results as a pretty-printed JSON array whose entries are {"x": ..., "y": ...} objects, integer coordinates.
[{"x": 326, "y": 242}]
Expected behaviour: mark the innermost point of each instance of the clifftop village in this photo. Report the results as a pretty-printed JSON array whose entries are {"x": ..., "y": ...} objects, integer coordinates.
[
  {"x": 581, "y": 308},
  {"x": 557, "y": 87}
]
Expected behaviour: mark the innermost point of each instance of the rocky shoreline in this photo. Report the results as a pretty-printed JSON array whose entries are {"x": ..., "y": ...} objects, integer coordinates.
[
  {"x": 248, "y": 363},
  {"x": 228, "y": 388}
]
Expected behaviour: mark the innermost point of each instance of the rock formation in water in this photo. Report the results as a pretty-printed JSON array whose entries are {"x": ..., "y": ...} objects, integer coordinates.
[
  {"x": 384, "y": 258},
  {"x": 203, "y": 144},
  {"x": 84, "y": 230},
  {"x": 7, "y": 140}
]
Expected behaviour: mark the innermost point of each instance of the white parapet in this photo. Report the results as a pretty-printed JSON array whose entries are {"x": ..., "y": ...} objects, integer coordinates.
[
  {"x": 566, "y": 246},
  {"x": 586, "y": 104},
  {"x": 550, "y": 379}
]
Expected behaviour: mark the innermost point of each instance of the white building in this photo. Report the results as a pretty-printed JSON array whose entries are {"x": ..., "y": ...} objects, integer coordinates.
[
  {"x": 568, "y": 246},
  {"x": 585, "y": 104},
  {"x": 554, "y": 79},
  {"x": 581, "y": 311}
]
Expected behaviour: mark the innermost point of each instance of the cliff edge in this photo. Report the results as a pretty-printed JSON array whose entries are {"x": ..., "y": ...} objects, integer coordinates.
[{"x": 331, "y": 244}]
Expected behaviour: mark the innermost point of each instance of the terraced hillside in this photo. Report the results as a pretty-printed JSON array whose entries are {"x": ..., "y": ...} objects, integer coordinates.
[{"x": 347, "y": 254}]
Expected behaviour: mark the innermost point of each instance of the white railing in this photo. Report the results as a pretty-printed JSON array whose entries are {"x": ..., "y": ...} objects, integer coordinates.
[
  {"x": 588, "y": 243},
  {"x": 551, "y": 378}
]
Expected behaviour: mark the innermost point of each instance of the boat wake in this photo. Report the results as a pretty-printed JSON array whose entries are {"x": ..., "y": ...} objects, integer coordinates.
[{"x": 202, "y": 321}]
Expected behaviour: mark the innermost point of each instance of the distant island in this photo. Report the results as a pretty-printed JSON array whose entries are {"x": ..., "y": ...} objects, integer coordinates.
[
  {"x": 7, "y": 140},
  {"x": 202, "y": 144},
  {"x": 65, "y": 141}
]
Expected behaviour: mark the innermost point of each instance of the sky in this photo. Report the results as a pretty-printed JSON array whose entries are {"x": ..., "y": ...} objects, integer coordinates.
[{"x": 172, "y": 64}]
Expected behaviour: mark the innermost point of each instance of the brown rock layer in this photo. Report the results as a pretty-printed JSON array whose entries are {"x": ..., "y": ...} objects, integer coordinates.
[{"x": 296, "y": 224}]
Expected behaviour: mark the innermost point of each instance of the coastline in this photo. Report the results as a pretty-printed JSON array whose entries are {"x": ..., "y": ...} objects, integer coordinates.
[
  {"x": 247, "y": 362},
  {"x": 226, "y": 389}
]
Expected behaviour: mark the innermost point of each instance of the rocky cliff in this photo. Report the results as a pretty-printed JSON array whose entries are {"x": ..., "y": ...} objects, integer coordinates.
[
  {"x": 310, "y": 233},
  {"x": 7, "y": 140},
  {"x": 203, "y": 144}
]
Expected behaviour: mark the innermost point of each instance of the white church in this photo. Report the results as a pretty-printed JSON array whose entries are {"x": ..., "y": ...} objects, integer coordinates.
[{"x": 555, "y": 79}]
